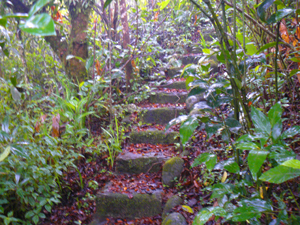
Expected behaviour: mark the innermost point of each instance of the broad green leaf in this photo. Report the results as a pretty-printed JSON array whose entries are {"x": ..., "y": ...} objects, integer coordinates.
[
  {"x": 202, "y": 217},
  {"x": 276, "y": 131},
  {"x": 275, "y": 114},
  {"x": 89, "y": 63},
  {"x": 260, "y": 121},
  {"x": 266, "y": 46},
  {"x": 231, "y": 166},
  {"x": 187, "y": 128},
  {"x": 175, "y": 121},
  {"x": 293, "y": 163},
  {"x": 197, "y": 91},
  {"x": 246, "y": 137},
  {"x": 37, "y": 6},
  {"x": 279, "y": 15},
  {"x": 221, "y": 189},
  {"x": 291, "y": 132},
  {"x": 247, "y": 146},
  {"x": 3, "y": 22},
  {"x": 107, "y": 3},
  {"x": 41, "y": 25},
  {"x": 281, "y": 154},
  {"x": 280, "y": 174},
  {"x": 209, "y": 159},
  {"x": 5, "y": 153},
  {"x": 244, "y": 213},
  {"x": 262, "y": 9},
  {"x": 164, "y": 4},
  {"x": 259, "y": 204},
  {"x": 212, "y": 128},
  {"x": 255, "y": 161}
]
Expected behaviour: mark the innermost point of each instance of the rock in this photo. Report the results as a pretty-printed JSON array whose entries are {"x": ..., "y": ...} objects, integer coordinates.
[
  {"x": 172, "y": 72},
  {"x": 161, "y": 115},
  {"x": 174, "y": 219},
  {"x": 121, "y": 206},
  {"x": 162, "y": 97},
  {"x": 139, "y": 163},
  {"x": 171, "y": 203},
  {"x": 175, "y": 85},
  {"x": 190, "y": 60},
  {"x": 192, "y": 100},
  {"x": 172, "y": 169},
  {"x": 153, "y": 137}
]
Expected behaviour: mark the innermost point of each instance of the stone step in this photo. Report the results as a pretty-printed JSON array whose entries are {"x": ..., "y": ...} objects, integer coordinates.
[
  {"x": 173, "y": 71},
  {"x": 125, "y": 206},
  {"x": 139, "y": 163},
  {"x": 162, "y": 97},
  {"x": 154, "y": 137},
  {"x": 161, "y": 115},
  {"x": 174, "y": 85}
]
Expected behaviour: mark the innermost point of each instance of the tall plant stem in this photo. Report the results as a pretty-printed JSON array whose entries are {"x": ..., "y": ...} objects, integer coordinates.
[
  {"x": 244, "y": 40},
  {"x": 109, "y": 65},
  {"x": 275, "y": 61},
  {"x": 224, "y": 40},
  {"x": 234, "y": 30}
]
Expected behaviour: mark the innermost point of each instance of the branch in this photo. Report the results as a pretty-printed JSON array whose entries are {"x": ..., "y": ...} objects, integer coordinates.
[{"x": 260, "y": 25}]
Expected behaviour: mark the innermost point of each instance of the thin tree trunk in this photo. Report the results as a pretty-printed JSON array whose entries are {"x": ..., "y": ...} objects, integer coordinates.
[{"x": 126, "y": 41}]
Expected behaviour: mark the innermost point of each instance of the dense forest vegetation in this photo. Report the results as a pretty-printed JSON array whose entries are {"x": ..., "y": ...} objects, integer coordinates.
[{"x": 149, "y": 112}]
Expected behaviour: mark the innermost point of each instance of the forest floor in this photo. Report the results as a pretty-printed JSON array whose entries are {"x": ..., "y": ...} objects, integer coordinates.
[{"x": 78, "y": 204}]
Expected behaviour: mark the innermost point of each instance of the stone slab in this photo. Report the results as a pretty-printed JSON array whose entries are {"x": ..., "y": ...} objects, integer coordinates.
[
  {"x": 139, "y": 163},
  {"x": 118, "y": 205},
  {"x": 154, "y": 137},
  {"x": 163, "y": 98},
  {"x": 161, "y": 115}
]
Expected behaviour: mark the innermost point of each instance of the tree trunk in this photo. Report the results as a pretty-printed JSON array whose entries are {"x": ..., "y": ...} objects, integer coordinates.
[
  {"x": 78, "y": 45},
  {"x": 77, "y": 40},
  {"x": 115, "y": 35},
  {"x": 126, "y": 41}
]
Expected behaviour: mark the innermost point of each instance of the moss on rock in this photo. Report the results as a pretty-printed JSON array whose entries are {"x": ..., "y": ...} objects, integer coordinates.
[
  {"x": 161, "y": 115},
  {"x": 172, "y": 72},
  {"x": 171, "y": 203},
  {"x": 174, "y": 219},
  {"x": 119, "y": 205},
  {"x": 153, "y": 137},
  {"x": 139, "y": 163},
  {"x": 172, "y": 169},
  {"x": 175, "y": 85},
  {"x": 163, "y": 98}
]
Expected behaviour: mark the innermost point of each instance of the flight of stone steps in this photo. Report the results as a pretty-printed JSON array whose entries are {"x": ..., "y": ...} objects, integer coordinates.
[{"x": 155, "y": 170}]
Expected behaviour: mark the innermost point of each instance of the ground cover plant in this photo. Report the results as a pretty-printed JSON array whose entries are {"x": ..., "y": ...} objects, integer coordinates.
[{"x": 79, "y": 79}]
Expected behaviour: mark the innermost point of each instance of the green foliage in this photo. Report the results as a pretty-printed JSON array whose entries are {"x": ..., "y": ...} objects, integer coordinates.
[{"x": 114, "y": 137}]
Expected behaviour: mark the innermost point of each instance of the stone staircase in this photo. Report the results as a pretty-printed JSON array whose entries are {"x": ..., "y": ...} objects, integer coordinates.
[{"x": 118, "y": 201}]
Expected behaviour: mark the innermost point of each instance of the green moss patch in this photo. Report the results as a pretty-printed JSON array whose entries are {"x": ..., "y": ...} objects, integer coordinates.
[
  {"x": 164, "y": 98},
  {"x": 161, "y": 115},
  {"x": 153, "y": 137},
  {"x": 119, "y": 205},
  {"x": 139, "y": 163}
]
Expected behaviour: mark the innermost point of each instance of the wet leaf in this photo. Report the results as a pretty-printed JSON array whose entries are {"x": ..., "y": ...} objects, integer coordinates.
[
  {"x": 187, "y": 209},
  {"x": 55, "y": 125},
  {"x": 262, "y": 9},
  {"x": 280, "y": 174}
]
